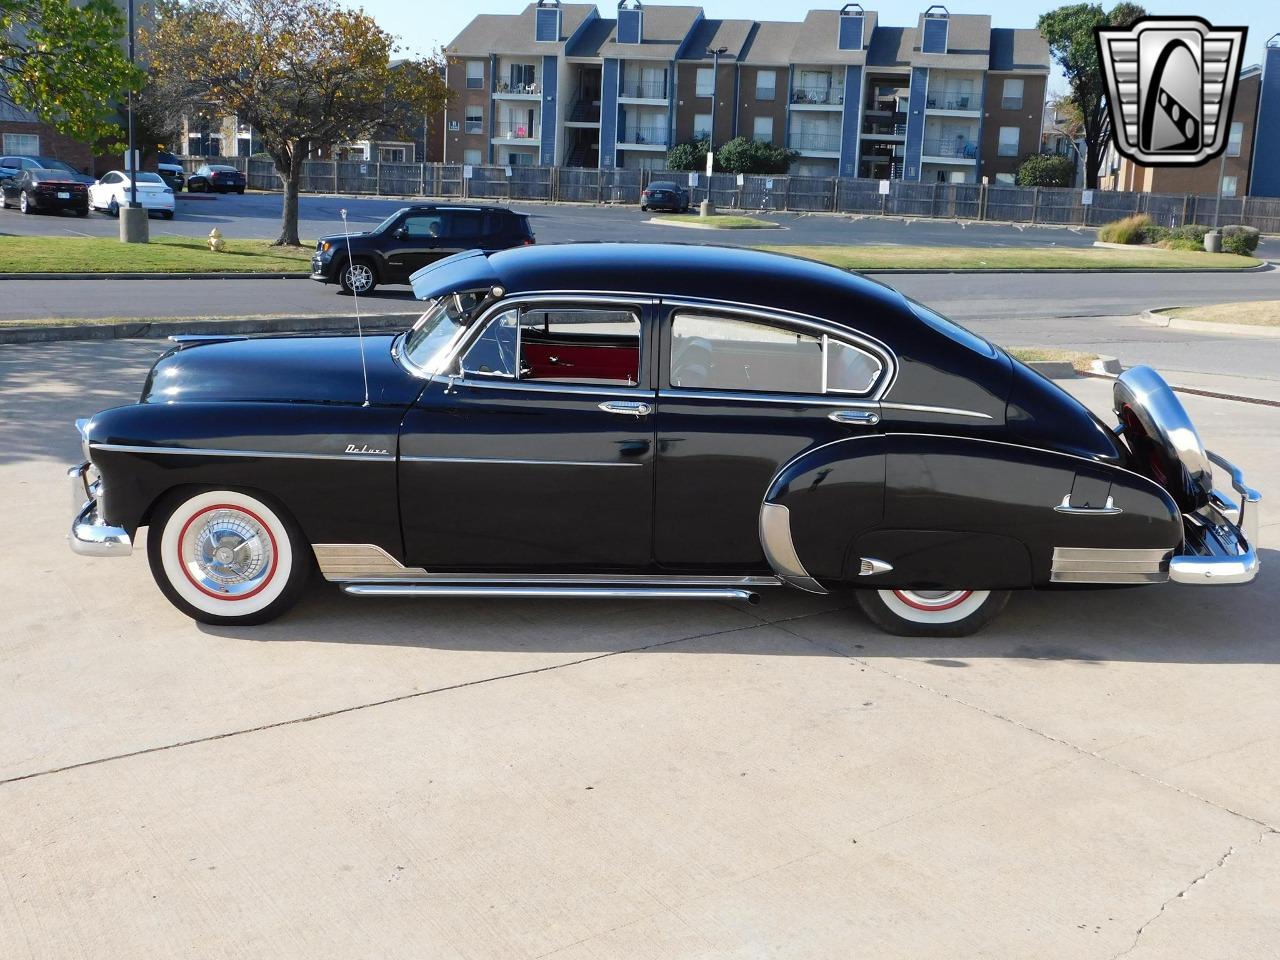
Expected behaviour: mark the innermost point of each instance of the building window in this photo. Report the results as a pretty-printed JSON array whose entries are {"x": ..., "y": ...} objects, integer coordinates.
[
  {"x": 22, "y": 144},
  {"x": 1229, "y": 185},
  {"x": 766, "y": 84},
  {"x": 702, "y": 126},
  {"x": 475, "y": 74},
  {"x": 391, "y": 154},
  {"x": 1012, "y": 99},
  {"x": 706, "y": 81},
  {"x": 1006, "y": 178},
  {"x": 762, "y": 129},
  {"x": 471, "y": 157},
  {"x": 1235, "y": 139},
  {"x": 1009, "y": 141},
  {"x": 474, "y": 120}
]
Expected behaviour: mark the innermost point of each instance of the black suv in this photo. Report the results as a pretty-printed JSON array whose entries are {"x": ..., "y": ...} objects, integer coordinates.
[{"x": 411, "y": 238}]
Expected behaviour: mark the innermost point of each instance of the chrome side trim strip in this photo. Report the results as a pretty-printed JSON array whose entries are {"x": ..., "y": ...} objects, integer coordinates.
[
  {"x": 925, "y": 408},
  {"x": 550, "y": 592},
  {"x": 360, "y": 561},
  {"x": 216, "y": 452},
  {"x": 628, "y": 393},
  {"x": 1102, "y": 565},
  {"x": 797, "y": 400},
  {"x": 547, "y": 463},
  {"x": 780, "y": 551}
]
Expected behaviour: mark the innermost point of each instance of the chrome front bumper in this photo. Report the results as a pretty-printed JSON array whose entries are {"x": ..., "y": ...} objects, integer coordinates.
[
  {"x": 1222, "y": 537},
  {"x": 90, "y": 535}
]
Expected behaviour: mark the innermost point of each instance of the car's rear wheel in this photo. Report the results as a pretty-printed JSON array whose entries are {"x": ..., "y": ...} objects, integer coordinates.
[
  {"x": 167, "y": 214},
  {"x": 113, "y": 207},
  {"x": 357, "y": 277},
  {"x": 932, "y": 613},
  {"x": 227, "y": 557},
  {"x": 240, "y": 191},
  {"x": 82, "y": 211},
  {"x": 26, "y": 204}
]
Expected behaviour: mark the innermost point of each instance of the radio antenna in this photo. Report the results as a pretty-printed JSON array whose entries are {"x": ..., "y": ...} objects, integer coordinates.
[{"x": 355, "y": 296}]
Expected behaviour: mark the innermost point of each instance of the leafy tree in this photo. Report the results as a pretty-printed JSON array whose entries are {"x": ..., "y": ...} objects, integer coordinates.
[
  {"x": 304, "y": 73},
  {"x": 1046, "y": 170},
  {"x": 1070, "y": 32},
  {"x": 738, "y": 155},
  {"x": 63, "y": 60}
]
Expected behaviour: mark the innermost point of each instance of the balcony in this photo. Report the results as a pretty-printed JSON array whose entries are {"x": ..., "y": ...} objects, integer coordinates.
[
  {"x": 961, "y": 103},
  {"x": 643, "y": 90},
  {"x": 821, "y": 96},
  {"x": 951, "y": 151},
  {"x": 815, "y": 142},
  {"x": 643, "y": 138},
  {"x": 531, "y": 132},
  {"x": 517, "y": 91}
]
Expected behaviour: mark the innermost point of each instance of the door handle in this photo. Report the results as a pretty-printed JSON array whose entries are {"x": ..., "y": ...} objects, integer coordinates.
[
  {"x": 863, "y": 418},
  {"x": 1110, "y": 510},
  {"x": 627, "y": 408}
]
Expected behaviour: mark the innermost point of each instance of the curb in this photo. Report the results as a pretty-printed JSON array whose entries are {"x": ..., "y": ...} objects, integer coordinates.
[
  {"x": 1104, "y": 366},
  {"x": 279, "y": 275},
  {"x": 1174, "y": 323},
  {"x": 694, "y": 225},
  {"x": 158, "y": 329}
]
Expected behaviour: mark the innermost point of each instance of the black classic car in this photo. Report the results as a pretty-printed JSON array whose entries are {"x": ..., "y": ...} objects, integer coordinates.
[
  {"x": 614, "y": 420},
  {"x": 411, "y": 238},
  {"x": 45, "y": 191}
]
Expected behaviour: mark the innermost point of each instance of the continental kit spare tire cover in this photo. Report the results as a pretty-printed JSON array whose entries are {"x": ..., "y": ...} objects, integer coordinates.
[{"x": 1162, "y": 437}]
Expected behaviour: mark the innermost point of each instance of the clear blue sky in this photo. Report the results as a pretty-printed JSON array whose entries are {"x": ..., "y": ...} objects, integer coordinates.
[{"x": 426, "y": 24}]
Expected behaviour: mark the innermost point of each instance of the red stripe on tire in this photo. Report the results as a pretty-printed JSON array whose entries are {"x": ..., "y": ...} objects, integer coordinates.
[{"x": 933, "y": 609}]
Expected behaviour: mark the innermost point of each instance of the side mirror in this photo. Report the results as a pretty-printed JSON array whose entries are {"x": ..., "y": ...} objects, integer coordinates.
[{"x": 401, "y": 233}]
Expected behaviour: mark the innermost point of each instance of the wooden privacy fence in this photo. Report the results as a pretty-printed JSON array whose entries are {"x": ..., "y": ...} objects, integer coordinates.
[{"x": 952, "y": 201}]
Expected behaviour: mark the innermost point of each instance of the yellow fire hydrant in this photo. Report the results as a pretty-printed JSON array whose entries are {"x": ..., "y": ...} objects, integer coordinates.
[{"x": 216, "y": 243}]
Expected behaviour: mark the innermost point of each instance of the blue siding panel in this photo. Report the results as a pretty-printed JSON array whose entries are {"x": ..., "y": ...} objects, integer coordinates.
[
  {"x": 549, "y": 81},
  {"x": 935, "y": 35},
  {"x": 547, "y": 26},
  {"x": 915, "y": 122},
  {"x": 609, "y": 75},
  {"x": 849, "y": 128},
  {"x": 1265, "y": 179},
  {"x": 850, "y": 33},
  {"x": 629, "y": 25}
]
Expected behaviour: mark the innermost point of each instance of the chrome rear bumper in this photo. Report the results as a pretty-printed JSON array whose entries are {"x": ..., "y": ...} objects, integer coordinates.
[
  {"x": 1222, "y": 537},
  {"x": 90, "y": 536}
]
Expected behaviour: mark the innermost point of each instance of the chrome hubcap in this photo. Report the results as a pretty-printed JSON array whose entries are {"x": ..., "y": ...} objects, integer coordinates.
[
  {"x": 933, "y": 599},
  {"x": 359, "y": 277},
  {"x": 228, "y": 552}
]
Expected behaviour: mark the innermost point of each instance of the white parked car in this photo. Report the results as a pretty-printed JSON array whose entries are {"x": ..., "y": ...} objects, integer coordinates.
[{"x": 112, "y": 192}]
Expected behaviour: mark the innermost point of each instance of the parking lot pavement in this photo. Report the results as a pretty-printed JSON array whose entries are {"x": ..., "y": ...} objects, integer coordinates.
[{"x": 1091, "y": 775}]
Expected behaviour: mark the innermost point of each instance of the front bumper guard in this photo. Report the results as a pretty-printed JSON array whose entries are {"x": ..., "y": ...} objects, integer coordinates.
[
  {"x": 90, "y": 535},
  {"x": 1221, "y": 538}
]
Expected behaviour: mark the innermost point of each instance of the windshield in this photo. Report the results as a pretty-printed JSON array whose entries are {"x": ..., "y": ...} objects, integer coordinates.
[
  {"x": 386, "y": 223},
  {"x": 426, "y": 344},
  {"x": 58, "y": 165}
]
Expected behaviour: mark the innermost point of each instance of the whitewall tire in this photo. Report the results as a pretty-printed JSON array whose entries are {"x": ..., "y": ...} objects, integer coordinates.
[
  {"x": 227, "y": 557},
  {"x": 932, "y": 613}
]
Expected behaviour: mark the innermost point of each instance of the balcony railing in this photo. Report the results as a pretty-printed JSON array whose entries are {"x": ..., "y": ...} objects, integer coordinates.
[
  {"x": 521, "y": 88},
  {"x": 881, "y": 129},
  {"x": 645, "y": 136},
  {"x": 644, "y": 89},
  {"x": 815, "y": 141},
  {"x": 951, "y": 103},
  {"x": 958, "y": 149},
  {"x": 517, "y": 131},
  {"x": 820, "y": 95}
]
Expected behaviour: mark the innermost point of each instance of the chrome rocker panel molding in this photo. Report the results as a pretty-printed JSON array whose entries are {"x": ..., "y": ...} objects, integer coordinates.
[{"x": 549, "y": 591}]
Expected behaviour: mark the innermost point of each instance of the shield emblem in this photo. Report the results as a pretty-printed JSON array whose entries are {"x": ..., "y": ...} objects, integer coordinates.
[{"x": 1171, "y": 86}]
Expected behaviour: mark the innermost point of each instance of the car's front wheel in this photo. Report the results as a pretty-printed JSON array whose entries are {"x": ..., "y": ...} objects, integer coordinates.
[
  {"x": 226, "y": 557},
  {"x": 25, "y": 203},
  {"x": 357, "y": 277},
  {"x": 932, "y": 613}
]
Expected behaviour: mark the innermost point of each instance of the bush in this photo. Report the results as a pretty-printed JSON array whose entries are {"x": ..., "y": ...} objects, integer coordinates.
[
  {"x": 1154, "y": 233},
  {"x": 1183, "y": 243},
  {"x": 691, "y": 155},
  {"x": 1190, "y": 231},
  {"x": 1128, "y": 230},
  {"x": 738, "y": 155},
  {"x": 1046, "y": 170},
  {"x": 1240, "y": 240}
]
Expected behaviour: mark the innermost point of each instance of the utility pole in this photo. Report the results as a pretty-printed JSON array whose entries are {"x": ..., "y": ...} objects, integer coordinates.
[
  {"x": 706, "y": 208},
  {"x": 134, "y": 227}
]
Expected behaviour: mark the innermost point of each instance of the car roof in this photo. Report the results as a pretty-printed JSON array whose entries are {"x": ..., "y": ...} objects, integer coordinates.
[
  {"x": 465, "y": 207},
  {"x": 695, "y": 271}
]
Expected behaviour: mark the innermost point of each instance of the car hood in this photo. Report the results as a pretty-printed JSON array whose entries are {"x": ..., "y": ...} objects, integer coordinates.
[
  {"x": 337, "y": 239},
  {"x": 299, "y": 369}
]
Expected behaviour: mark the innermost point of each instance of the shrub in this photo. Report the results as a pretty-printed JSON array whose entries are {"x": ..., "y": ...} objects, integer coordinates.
[
  {"x": 1183, "y": 243},
  {"x": 1128, "y": 230},
  {"x": 738, "y": 155},
  {"x": 1154, "y": 233},
  {"x": 1190, "y": 231},
  {"x": 1046, "y": 170},
  {"x": 1240, "y": 240},
  {"x": 691, "y": 155}
]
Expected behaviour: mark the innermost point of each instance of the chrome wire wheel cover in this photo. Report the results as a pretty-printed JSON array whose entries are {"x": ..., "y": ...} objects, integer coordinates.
[
  {"x": 227, "y": 552},
  {"x": 359, "y": 277}
]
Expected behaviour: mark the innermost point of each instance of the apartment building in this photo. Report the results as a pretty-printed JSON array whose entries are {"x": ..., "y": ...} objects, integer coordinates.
[
  {"x": 949, "y": 99},
  {"x": 1250, "y": 166}
]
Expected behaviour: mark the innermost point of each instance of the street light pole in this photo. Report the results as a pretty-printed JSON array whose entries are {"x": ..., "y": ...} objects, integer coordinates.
[
  {"x": 134, "y": 227},
  {"x": 133, "y": 149},
  {"x": 705, "y": 208}
]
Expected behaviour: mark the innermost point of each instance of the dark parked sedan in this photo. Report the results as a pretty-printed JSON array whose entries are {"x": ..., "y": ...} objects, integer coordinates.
[
  {"x": 45, "y": 191},
  {"x": 661, "y": 421},
  {"x": 216, "y": 178},
  {"x": 13, "y": 165},
  {"x": 664, "y": 195}
]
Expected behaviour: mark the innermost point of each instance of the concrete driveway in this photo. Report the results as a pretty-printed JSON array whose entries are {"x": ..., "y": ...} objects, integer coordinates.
[{"x": 1093, "y": 776}]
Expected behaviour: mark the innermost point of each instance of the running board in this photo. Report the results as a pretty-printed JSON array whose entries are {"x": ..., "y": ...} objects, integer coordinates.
[{"x": 550, "y": 591}]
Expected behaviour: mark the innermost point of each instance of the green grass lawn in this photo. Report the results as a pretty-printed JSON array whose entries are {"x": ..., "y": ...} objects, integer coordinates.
[
  {"x": 161, "y": 255},
  {"x": 1078, "y": 359},
  {"x": 720, "y": 221},
  {"x": 1262, "y": 313},
  {"x": 1004, "y": 258}
]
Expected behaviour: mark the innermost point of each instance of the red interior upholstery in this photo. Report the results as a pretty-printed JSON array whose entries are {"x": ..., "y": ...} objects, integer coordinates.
[{"x": 581, "y": 361}]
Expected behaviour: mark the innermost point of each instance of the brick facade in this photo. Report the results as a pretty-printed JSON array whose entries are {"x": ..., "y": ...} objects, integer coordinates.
[{"x": 52, "y": 143}]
